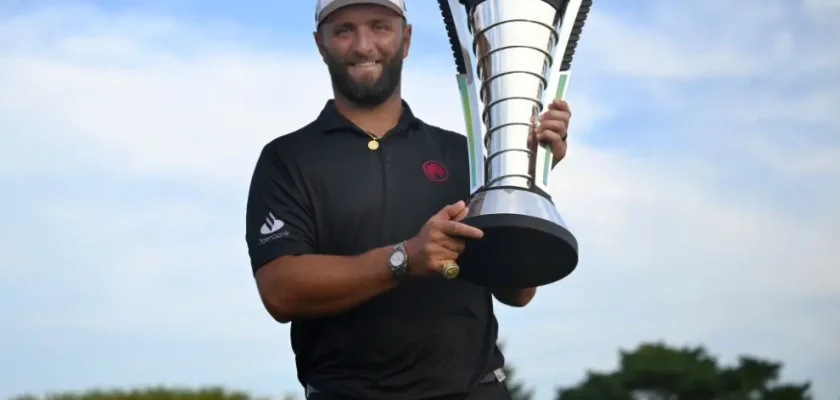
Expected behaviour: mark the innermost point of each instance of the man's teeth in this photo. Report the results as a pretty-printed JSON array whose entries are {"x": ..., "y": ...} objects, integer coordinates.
[{"x": 366, "y": 64}]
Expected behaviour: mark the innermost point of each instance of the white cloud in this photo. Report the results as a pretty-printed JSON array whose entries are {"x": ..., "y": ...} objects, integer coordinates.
[{"x": 672, "y": 246}]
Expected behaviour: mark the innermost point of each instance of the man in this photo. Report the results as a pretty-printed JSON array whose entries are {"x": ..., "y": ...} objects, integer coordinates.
[{"x": 351, "y": 218}]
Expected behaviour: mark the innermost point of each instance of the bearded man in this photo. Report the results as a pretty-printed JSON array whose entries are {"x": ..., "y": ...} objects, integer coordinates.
[{"x": 351, "y": 218}]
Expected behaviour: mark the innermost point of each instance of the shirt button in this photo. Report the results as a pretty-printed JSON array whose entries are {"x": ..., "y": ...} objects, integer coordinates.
[{"x": 388, "y": 159}]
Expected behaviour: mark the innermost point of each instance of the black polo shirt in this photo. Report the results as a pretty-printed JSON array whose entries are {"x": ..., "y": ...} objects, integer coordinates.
[{"x": 320, "y": 190}]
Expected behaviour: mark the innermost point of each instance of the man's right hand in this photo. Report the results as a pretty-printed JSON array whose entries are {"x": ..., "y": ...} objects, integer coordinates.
[{"x": 442, "y": 238}]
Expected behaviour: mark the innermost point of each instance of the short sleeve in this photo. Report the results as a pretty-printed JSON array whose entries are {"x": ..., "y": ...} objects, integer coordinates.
[{"x": 279, "y": 219}]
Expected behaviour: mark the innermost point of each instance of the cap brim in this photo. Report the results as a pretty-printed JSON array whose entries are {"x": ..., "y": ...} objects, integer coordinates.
[{"x": 336, "y": 4}]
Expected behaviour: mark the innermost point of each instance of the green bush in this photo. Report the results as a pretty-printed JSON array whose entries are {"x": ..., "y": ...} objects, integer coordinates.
[{"x": 152, "y": 393}]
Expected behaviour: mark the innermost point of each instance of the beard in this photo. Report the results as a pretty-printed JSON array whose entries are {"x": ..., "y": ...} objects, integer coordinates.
[{"x": 366, "y": 94}]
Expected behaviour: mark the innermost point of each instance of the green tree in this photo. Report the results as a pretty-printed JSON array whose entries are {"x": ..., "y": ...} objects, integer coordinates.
[
  {"x": 655, "y": 371},
  {"x": 153, "y": 393}
]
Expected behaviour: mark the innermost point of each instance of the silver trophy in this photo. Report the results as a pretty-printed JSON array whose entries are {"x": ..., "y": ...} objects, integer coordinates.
[{"x": 523, "y": 51}]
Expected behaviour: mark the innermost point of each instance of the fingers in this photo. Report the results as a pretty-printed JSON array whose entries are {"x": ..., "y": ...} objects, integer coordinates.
[
  {"x": 444, "y": 237},
  {"x": 553, "y": 128},
  {"x": 438, "y": 253},
  {"x": 462, "y": 214},
  {"x": 558, "y": 144},
  {"x": 550, "y": 136},
  {"x": 461, "y": 230},
  {"x": 560, "y": 105},
  {"x": 450, "y": 235},
  {"x": 554, "y": 121},
  {"x": 446, "y": 255},
  {"x": 452, "y": 244},
  {"x": 556, "y": 118},
  {"x": 451, "y": 211}
]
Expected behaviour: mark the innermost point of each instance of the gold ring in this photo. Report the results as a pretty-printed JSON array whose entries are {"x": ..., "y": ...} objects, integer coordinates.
[{"x": 450, "y": 269}]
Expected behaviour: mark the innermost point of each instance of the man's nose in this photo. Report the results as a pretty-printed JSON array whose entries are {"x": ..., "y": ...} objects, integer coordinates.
[{"x": 365, "y": 42}]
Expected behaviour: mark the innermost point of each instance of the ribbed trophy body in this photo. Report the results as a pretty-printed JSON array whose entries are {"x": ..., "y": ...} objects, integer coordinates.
[
  {"x": 517, "y": 72},
  {"x": 513, "y": 43}
]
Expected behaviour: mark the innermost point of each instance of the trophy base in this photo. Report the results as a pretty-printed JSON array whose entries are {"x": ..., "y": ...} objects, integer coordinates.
[{"x": 525, "y": 243}]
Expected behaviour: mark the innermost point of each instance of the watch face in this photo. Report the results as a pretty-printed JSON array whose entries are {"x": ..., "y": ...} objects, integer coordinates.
[{"x": 397, "y": 258}]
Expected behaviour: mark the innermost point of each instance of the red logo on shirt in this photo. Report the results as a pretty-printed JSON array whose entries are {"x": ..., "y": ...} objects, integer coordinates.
[{"x": 435, "y": 171}]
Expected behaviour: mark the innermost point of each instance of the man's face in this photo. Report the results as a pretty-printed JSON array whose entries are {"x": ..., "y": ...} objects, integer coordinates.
[{"x": 364, "y": 47}]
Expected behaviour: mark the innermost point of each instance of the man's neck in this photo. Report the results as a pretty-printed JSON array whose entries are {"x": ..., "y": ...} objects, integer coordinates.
[{"x": 377, "y": 120}]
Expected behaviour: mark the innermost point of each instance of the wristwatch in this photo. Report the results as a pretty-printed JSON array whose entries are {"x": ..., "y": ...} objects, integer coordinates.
[{"x": 398, "y": 260}]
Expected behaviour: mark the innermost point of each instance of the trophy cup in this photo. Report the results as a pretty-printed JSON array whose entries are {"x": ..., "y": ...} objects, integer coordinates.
[{"x": 516, "y": 44}]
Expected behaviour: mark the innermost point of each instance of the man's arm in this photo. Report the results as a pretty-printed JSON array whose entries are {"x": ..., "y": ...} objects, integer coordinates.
[
  {"x": 514, "y": 297},
  {"x": 311, "y": 285},
  {"x": 293, "y": 281}
]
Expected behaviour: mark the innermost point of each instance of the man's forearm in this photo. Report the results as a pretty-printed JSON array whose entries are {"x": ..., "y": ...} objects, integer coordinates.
[
  {"x": 514, "y": 297},
  {"x": 312, "y": 285}
]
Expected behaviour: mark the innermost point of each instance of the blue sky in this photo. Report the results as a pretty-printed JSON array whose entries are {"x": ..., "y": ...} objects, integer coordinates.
[{"x": 702, "y": 181}]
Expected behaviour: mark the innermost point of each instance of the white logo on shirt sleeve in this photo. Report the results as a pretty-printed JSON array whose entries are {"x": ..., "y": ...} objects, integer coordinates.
[
  {"x": 270, "y": 230},
  {"x": 271, "y": 225}
]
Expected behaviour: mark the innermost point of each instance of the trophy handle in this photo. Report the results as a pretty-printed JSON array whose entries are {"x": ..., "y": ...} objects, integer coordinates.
[
  {"x": 475, "y": 136},
  {"x": 460, "y": 39},
  {"x": 558, "y": 79}
]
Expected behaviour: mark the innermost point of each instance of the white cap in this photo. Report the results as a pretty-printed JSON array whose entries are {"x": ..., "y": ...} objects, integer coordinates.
[{"x": 323, "y": 8}]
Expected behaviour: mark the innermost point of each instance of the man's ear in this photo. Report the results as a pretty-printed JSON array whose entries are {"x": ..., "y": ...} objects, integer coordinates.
[
  {"x": 319, "y": 42},
  {"x": 406, "y": 39}
]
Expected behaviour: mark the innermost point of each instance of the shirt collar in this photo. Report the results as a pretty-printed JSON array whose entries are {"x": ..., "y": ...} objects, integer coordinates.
[{"x": 330, "y": 120}]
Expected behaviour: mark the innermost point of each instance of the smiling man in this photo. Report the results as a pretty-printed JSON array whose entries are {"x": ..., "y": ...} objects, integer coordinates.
[{"x": 352, "y": 218}]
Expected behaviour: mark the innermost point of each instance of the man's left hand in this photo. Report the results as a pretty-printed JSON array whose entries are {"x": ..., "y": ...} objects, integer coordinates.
[{"x": 553, "y": 128}]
